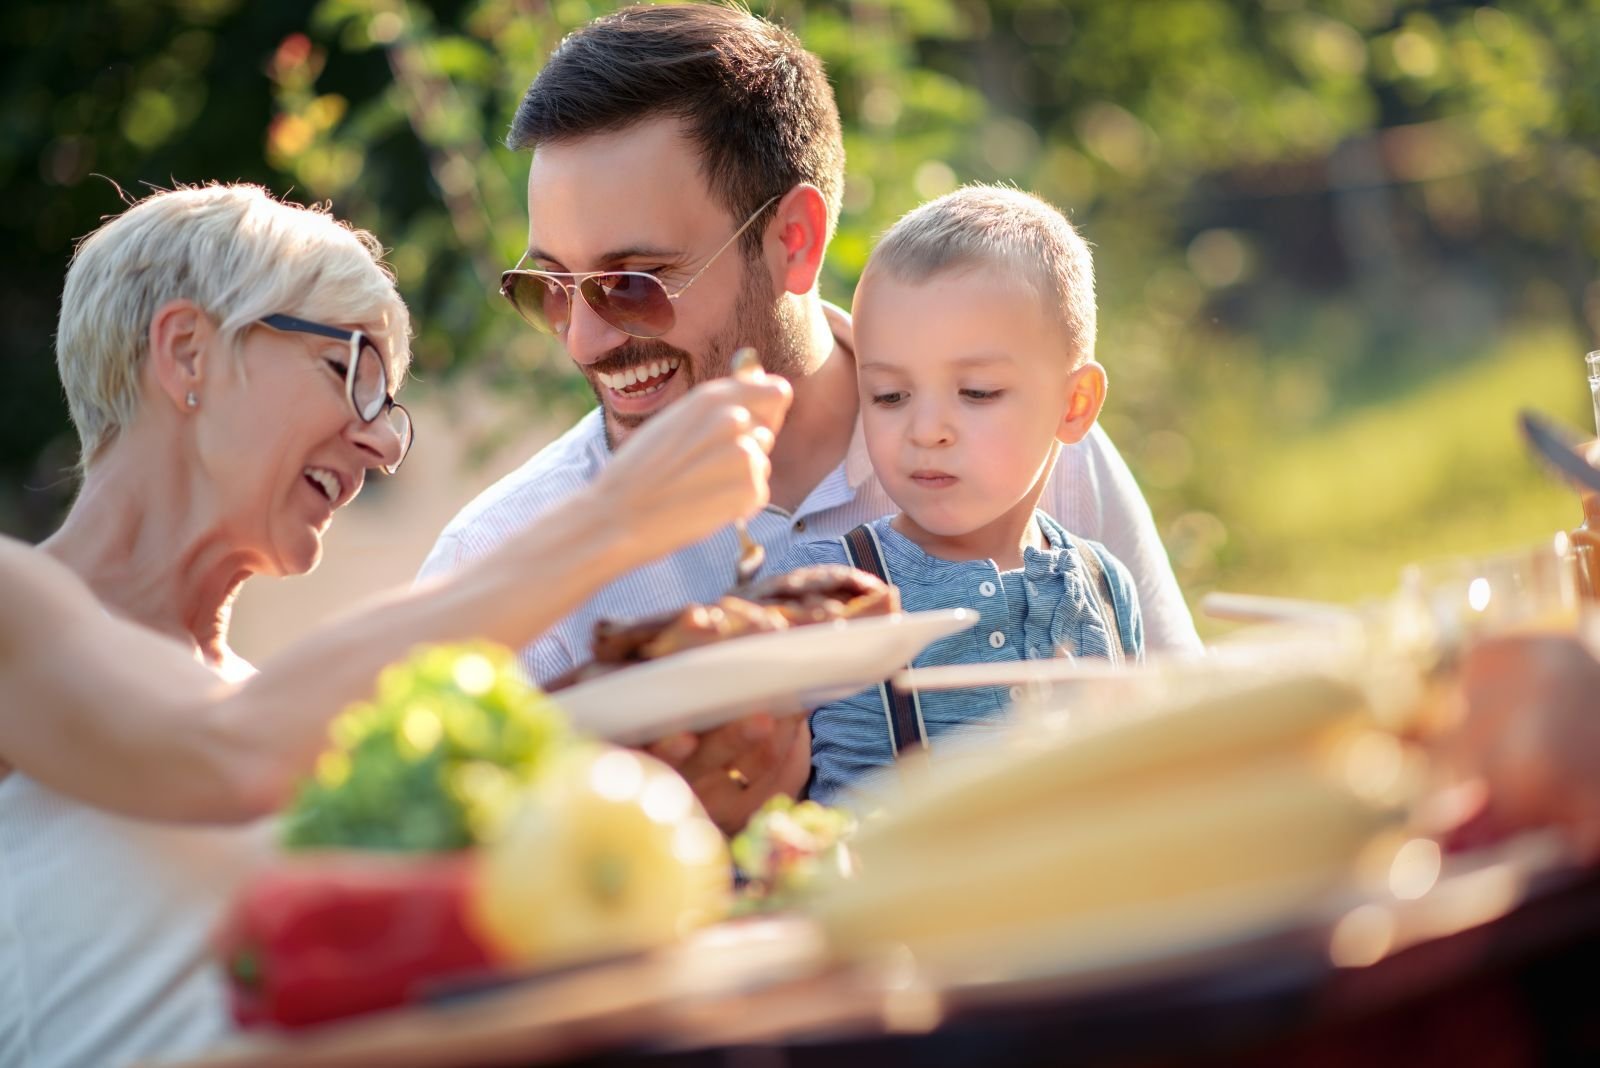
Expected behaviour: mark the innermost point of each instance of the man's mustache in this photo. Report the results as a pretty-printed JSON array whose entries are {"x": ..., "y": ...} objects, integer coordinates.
[{"x": 635, "y": 354}]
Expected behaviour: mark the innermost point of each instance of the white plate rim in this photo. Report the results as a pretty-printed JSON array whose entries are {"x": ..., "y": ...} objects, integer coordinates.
[{"x": 579, "y": 701}]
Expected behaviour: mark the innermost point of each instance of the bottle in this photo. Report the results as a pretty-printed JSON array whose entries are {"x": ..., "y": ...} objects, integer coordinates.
[
  {"x": 1593, "y": 362},
  {"x": 1586, "y": 539}
]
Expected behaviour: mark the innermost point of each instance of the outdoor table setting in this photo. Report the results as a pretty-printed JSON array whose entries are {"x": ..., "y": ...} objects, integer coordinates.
[
  {"x": 1265, "y": 1000},
  {"x": 669, "y": 533},
  {"x": 1256, "y": 852}
]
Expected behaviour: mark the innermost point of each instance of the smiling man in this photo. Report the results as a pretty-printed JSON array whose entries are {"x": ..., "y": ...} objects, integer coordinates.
[{"x": 686, "y": 176}]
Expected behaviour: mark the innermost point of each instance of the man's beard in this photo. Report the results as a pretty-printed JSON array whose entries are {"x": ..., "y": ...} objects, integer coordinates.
[{"x": 759, "y": 320}]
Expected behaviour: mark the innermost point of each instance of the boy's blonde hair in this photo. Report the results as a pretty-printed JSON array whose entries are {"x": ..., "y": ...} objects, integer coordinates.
[
  {"x": 236, "y": 251},
  {"x": 990, "y": 225}
]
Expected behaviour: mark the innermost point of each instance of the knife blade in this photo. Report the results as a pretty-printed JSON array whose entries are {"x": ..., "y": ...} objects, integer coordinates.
[{"x": 1558, "y": 446}]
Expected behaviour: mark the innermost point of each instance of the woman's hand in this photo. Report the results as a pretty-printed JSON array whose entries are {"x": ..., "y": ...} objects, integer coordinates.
[
  {"x": 699, "y": 465},
  {"x": 1589, "y": 533},
  {"x": 1532, "y": 732}
]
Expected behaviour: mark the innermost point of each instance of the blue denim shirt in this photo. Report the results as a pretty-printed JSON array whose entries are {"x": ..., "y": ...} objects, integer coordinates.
[{"x": 1039, "y": 611}]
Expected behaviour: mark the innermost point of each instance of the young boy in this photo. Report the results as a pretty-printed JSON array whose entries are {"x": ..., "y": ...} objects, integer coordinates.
[{"x": 974, "y": 330}]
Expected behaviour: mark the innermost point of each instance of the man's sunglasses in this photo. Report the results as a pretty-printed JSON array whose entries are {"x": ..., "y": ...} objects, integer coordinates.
[
  {"x": 632, "y": 301},
  {"x": 366, "y": 379}
]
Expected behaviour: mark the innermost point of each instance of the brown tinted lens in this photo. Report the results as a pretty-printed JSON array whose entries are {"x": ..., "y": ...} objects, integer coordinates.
[
  {"x": 634, "y": 303},
  {"x": 542, "y": 302}
]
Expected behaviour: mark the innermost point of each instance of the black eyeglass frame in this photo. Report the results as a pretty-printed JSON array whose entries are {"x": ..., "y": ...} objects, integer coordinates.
[{"x": 359, "y": 341}]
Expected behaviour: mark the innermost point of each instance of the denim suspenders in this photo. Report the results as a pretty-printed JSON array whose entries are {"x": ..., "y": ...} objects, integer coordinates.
[{"x": 902, "y": 711}]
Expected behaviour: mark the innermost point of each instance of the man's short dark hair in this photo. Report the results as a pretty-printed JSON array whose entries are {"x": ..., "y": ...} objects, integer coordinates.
[{"x": 754, "y": 102}]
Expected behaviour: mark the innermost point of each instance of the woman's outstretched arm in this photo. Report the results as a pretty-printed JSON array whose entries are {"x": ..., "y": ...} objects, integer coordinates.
[{"x": 111, "y": 713}]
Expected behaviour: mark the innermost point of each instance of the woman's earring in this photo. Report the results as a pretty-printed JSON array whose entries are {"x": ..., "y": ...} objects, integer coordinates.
[{"x": 191, "y": 400}]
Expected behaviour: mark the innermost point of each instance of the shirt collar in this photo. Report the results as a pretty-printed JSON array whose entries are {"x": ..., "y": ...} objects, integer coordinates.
[
  {"x": 908, "y": 562},
  {"x": 857, "y": 464}
]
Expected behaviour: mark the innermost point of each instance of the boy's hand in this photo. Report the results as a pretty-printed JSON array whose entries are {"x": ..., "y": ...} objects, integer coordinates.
[{"x": 735, "y": 768}]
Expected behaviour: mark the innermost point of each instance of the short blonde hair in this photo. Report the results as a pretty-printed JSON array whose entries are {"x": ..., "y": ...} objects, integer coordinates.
[
  {"x": 982, "y": 225},
  {"x": 237, "y": 252}
]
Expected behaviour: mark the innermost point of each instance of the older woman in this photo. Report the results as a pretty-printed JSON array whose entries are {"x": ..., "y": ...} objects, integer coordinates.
[{"x": 230, "y": 362}]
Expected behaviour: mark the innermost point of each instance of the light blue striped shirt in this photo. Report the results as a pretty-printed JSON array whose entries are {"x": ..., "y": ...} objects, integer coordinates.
[
  {"x": 1091, "y": 491},
  {"x": 1041, "y": 610}
]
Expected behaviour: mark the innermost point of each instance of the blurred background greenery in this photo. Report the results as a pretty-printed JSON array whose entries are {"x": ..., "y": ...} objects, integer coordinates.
[{"x": 1339, "y": 243}]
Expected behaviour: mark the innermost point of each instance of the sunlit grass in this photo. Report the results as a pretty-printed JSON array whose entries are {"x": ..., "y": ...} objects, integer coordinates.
[{"x": 1336, "y": 511}]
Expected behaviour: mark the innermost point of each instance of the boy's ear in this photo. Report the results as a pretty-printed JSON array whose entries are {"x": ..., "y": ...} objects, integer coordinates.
[
  {"x": 1086, "y": 395},
  {"x": 180, "y": 335},
  {"x": 799, "y": 230}
]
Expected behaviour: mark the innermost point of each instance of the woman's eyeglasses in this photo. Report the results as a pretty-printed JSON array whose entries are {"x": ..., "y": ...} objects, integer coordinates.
[
  {"x": 366, "y": 379},
  {"x": 632, "y": 301}
]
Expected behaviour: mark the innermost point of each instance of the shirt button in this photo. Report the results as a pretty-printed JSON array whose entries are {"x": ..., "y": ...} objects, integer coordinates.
[
  {"x": 986, "y": 588},
  {"x": 997, "y": 639},
  {"x": 799, "y": 526},
  {"x": 1016, "y": 693}
]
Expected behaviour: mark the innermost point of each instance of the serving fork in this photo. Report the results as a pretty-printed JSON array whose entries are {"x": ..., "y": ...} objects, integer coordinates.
[{"x": 751, "y": 552}]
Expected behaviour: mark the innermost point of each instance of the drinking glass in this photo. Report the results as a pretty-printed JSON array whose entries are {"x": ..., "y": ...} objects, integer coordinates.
[
  {"x": 1444, "y": 606},
  {"x": 1535, "y": 588}
]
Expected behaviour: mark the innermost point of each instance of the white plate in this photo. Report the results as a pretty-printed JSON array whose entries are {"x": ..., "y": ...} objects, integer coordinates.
[{"x": 786, "y": 670}]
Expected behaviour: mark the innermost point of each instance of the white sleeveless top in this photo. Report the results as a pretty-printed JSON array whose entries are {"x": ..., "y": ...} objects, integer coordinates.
[{"x": 104, "y": 923}]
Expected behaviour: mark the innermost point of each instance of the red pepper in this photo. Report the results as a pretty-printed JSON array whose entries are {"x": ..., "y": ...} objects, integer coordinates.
[{"x": 332, "y": 935}]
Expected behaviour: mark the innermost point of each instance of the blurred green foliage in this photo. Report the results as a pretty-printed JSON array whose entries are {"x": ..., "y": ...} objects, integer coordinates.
[{"x": 1339, "y": 242}]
